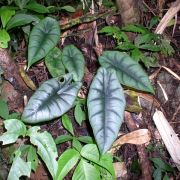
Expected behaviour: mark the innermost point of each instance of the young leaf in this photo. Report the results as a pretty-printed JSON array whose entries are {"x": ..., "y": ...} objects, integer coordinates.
[
  {"x": 6, "y": 13},
  {"x": 15, "y": 128},
  {"x": 43, "y": 38},
  {"x": 86, "y": 139},
  {"x": 54, "y": 63},
  {"x": 4, "y": 111},
  {"x": 85, "y": 171},
  {"x": 63, "y": 138},
  {"x": 21, "y": 20},
  {"x": 19, "y": 168},
  {"x": 76, "y": 144},
  {"x": 39, "y": 8},
  {"x": 73, "y": 61},
  {"x": 129, "y": 72},
  {"x": 4, "y": 38},
  {"x": 106, "y": 105},
  {"x": 79, "y": 114},
  {"x": 46, "y": 148},
  {"x": 90, "y": 152},
  {"x": 66, "y": 162},
  {"x": 66, "y": 121},
  {"x": 51, "y": 100}
]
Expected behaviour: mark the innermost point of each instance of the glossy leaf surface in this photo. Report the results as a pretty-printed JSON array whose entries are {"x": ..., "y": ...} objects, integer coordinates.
[
  {"x": 20, "y": 20},
  {"x": 15, "y": 128},
  {"x": 73, "y": 61},
  {"x": 129, "y": 72},
  {"x": 66, "y": 162},
  {"x": 106, "y": 105},
  {"x": 54, "y": 63},
  {"x": 43, "y": 38},
  {"x": 46, "y": 148},
  {"x": 51, "y": 100},
  {"x": 85, "y": 171}
]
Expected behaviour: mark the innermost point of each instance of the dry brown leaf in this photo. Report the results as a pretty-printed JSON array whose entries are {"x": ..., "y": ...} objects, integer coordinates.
[
  {"x": 169, "y": 137},
  {"x": 120, "y": 170},
  {"x": 138, "y": 137}
]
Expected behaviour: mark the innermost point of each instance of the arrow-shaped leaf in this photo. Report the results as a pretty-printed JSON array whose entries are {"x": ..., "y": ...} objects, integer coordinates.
[
  {"x": 53, "y": 98},
  {"x": 129, "y": 72},
  {"x": 106, "y": 105}
]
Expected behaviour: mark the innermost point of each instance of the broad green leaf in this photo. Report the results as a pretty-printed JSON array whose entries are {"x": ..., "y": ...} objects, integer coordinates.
[
  {"x": 63, "y": 138},
  {"x": 136, "y": 54},
  {"x": 19, "y": 168},
  {"x": 110, "y": 30},
  {"x": 66, "y": 162},
  {"x": 126, "y": 46},
  {"x": 86, "y": 139},
  {"x": 129, "y": 72},
  {"x": 73, "y": 61},
  {"x": 54, "y": 63},
  {"x": 135, "y": 29},
  {"x": 68, "y": 9},
  {"x": 44, "y": 37},
  {"x": 15, "y": 128},
  {"x": 4, "y": 38},
  {"x": 46, "y": 148},
  {"x": 106, "y": 161},
  {"x": 53, "y": 98},
  {"x": 85, "y": 171},
  {"x": 106, "y": 105},
  {"x": 90, "y": 152},
  {"x": 4, "y": 111},
  {"x": 6, "y": 13},
  {"x": 79, "y": 114},
  {"x": 143, "y": 39},
  {"x": 36, "y": 7},
  {"x": 21, "y": 20},
  {"x": 21, "y": 3},
  {"x": 33, "y": 158},
  {"x": 66, "y": 121},
  {"x": 76, "y": 144}
]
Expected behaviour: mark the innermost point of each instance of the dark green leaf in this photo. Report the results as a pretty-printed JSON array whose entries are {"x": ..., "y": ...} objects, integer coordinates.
[
  {"x": 4, "y": 111},
  {"x": 15, "y": 128},
  {"x": 66, "y": 121},
  {"x": 39, "y": 8},
  {"x": 90, "y": 152},
  {"x": 21, "y": 20},
  {"x": 126, "y": 46},
  {"x": 66, "y": 162},
  {"x": 46, "y": 148},
  {"x": 79, "y": 114},
  {"x": 85, "y": 171},
  {"x": 86, "y": 139},
  {"x": 68, "y": 9},
  {"x": 21, "y": 3},
  {"x": 63, "y": 138},
  {"x": 106, "y": 105},
  {"x": 129, "y": 72},
  {"x": 166, "y": 177},
  {"x": 110, "y": 30},
  {"x": 54, "y": 63},
  {"x": 150, "y": 47},
  {"x": 73, "y": 61},
  {"x": 145, "y": 38},
  {"x": 153, "y": 21},
  {"x": 43, "y": 38},
  {"x": 136, "y": 54},
  {"x": 135, "y": 29},
  {"x": 157, "y": 174},
  {"x": 53, "y": 98}
]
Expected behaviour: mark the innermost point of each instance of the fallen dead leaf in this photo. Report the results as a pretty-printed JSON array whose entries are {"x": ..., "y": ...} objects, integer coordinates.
[
  {"x": 169, "y": 137},
  {"x": 120, "y": 170}
]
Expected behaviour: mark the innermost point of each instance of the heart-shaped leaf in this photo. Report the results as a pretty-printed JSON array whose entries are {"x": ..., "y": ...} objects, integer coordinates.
[
  {"x": 43, "y": 38},
  {"x": 54, "y": 62},
  {"x": 86, "y": 171},
  {"x": 73, "y": 61},
  {"x": 66, "y": 162},
  {"x": 129, "y": 72},
  {"x": 46, "y": 148},
  {"x": 106, "y": 105},
  {"x": 53, "y": 98},
  {"x": 20, "y": 20}
]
